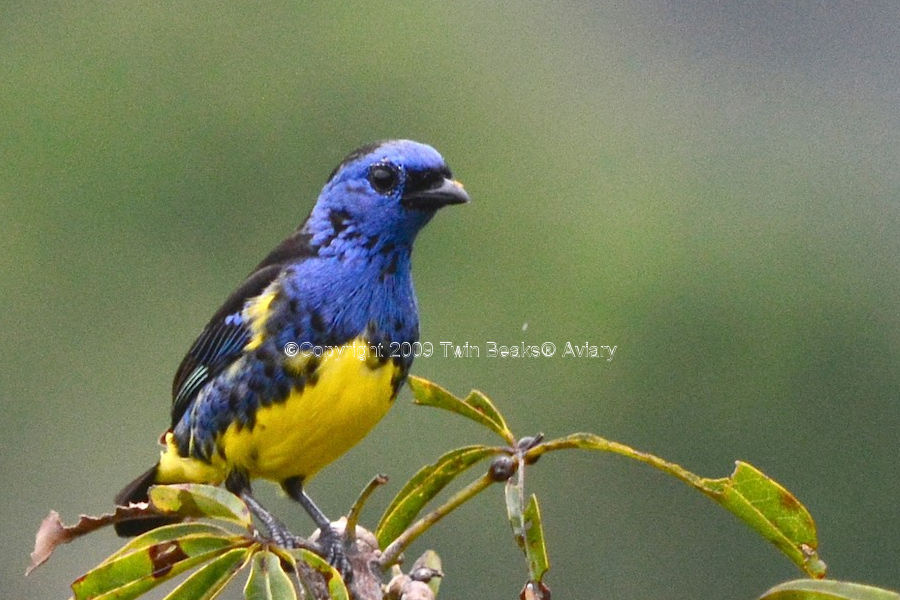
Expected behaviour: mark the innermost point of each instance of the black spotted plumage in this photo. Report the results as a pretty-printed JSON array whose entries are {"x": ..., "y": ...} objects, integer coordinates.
[{"x": 226, "y": 334}]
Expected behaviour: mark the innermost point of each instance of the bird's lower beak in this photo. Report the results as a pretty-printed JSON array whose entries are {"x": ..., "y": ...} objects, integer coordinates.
[{"x": 449, "y": 191}]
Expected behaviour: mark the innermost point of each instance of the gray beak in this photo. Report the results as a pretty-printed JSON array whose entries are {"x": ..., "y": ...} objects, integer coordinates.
[{"x": 448, "y": 192}]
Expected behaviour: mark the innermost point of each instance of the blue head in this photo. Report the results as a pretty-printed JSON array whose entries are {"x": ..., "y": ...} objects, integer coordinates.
[{"x": 383, "y": 193}]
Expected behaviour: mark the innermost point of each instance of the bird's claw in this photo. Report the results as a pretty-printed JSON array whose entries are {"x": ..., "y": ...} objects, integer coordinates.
[
  {"x": 281, "y": 536},
  {"x": 285, "y": 539},
  {"x": 332, "y": 545},
  {"x": 291, "y": 541}
]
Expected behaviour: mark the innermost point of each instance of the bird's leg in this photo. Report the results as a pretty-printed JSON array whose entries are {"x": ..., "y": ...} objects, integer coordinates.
[
  {"x": 330, "y": 540},
  {"x": 238, "y": 484},
  {"x": 278, "y": 532}
]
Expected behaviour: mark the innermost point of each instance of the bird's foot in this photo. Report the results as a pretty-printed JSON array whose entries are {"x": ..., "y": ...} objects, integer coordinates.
[
  {"x": 284, "y": 538},
  {"x": 332, "y": 547}
]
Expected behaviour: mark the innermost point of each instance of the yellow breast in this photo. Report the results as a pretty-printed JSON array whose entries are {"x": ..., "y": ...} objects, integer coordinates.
[{"x": 314, "y": 426}]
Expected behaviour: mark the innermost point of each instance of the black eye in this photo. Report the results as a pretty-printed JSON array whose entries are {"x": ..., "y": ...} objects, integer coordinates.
[{"x": 384, "y": 177}]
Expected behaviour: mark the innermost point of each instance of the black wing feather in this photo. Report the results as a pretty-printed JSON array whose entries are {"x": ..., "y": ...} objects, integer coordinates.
[{"x": 223, "y": 339}]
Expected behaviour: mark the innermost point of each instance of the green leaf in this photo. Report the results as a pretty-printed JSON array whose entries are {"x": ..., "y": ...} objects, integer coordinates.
[
  {"x": 424, "y": 486},
  {"x": 208, "y": 581},
  {"x": 197, "y": 500},
  {"x": 515, "y": 510},
  {"x": 772, "y": 511},
  {"x": 759, "y": 501},
  {"x": 535, "y": 548},
  {"x": 336, "y": 588},
  {"x": 166, "y": 533},
  {"x": 827, "y": 589},
  {"x": 477, "y": 400},
  {"x": 476, "y": 406},
  {"x": 267, "y": 580},
  {"x": 528, "y": 530},
  {"x": 132, "y": 574}
]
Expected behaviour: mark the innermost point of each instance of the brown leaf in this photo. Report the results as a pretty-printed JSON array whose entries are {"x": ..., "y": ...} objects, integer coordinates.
[{"x": 52, "y": 532}]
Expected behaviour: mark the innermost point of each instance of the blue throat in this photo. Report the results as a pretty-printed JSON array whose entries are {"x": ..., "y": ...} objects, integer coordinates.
[{"x": 359, "y": 282}]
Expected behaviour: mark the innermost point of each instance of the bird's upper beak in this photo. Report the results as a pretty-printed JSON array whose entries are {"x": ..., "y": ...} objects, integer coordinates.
[{"x": 449, "y": 191}]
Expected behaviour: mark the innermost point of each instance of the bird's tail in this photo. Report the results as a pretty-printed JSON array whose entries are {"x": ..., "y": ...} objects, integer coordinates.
[{"x": 136, "y": 491}]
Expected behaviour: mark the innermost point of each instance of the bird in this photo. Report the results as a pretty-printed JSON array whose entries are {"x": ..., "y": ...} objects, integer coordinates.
[{"x": 301, "y": 361}]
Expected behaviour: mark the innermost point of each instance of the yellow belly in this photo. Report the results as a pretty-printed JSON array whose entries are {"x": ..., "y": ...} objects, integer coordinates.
[{"x": 303, "y": 433}]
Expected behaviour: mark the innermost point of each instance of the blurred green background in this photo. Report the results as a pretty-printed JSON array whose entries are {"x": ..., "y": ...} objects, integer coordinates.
[{"x": 711, "y": 187}]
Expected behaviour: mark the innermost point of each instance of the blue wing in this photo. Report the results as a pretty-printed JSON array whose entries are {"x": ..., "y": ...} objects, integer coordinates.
[{"x": 223, "y": 339}]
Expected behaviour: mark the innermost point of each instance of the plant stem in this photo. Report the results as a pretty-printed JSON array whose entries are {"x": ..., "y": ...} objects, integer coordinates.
[
  {"x": 353, "y": 515},
  {"x": 589, "y": 441},
  {"x": 391, "y": 554}
]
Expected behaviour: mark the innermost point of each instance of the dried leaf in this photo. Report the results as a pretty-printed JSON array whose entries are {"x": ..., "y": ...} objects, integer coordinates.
[{"x": 52, "y": 532}]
